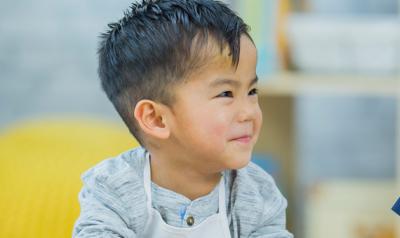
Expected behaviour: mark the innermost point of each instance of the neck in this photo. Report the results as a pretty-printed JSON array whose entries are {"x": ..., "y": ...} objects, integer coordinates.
[{"x": 182, "y": 178}]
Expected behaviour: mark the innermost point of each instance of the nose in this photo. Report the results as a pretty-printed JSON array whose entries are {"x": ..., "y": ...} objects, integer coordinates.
[{"x": 248, "y": 110}]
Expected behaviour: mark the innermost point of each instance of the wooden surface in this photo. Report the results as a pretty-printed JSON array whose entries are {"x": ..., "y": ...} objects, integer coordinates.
[
  {"x": 277, "y": 139},
  {"x": 277, "y": 94}
]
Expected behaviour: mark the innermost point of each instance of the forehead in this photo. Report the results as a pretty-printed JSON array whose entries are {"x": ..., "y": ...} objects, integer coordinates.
[
  {"x": 219, "y": 64},
  {"x": 198, "y": 85}
]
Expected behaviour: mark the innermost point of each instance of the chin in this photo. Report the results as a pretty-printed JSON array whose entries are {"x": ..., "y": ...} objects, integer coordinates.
[{"x": 239, "y": 162}]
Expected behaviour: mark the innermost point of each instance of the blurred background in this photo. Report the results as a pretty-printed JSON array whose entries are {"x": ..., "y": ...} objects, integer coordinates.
[{"x": 329, "y": 88}]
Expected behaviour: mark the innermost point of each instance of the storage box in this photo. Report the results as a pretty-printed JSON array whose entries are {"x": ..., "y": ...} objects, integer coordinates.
[
  {"x": 349, "y": 45},
  {"x": 351, "y": 209}
]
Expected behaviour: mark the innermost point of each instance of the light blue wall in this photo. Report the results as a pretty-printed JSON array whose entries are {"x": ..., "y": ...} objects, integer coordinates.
[
  {"x": 48, "y": 57},
  {"x": 345, "y": 137}
]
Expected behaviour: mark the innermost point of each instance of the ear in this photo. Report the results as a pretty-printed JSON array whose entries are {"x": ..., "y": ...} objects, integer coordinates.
[{"x": 150, "y": 116}]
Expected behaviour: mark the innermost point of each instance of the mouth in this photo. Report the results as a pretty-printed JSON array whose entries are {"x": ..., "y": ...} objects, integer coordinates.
[{"x": 245, "y": 139}]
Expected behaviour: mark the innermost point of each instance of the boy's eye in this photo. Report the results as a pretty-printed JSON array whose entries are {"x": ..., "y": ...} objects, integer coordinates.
[
  {"x": 226, "y": 94},
  {"x": 254, "y": 91}
]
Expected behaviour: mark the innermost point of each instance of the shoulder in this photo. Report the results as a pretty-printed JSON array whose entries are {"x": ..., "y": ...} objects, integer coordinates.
[
  {"x": 255, "y": 196},
  {"x": 112, "y": 169},
  {"x": 119, "y": 179},
  {"x": 113, "y": 192}
]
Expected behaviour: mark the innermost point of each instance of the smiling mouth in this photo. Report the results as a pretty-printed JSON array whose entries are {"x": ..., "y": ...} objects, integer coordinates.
[{"x": 243, "y": 139}]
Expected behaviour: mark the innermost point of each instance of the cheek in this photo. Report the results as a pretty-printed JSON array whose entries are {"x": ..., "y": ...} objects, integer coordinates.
[
  {"x": 215, "y": 126},
  {"x": 258, "y": 121}
]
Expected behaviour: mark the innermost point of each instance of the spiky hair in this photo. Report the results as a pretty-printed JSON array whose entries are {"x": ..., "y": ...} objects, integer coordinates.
[{"x": 156, "y": 44}]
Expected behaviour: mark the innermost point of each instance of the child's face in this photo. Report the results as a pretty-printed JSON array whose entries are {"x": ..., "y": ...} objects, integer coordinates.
[{"x": 216, "y": 119}]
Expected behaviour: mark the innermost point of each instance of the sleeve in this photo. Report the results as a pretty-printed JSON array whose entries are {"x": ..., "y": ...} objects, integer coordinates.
[
  {"x": 102, "y": 214},
  {"x": 274, "y": 223}
]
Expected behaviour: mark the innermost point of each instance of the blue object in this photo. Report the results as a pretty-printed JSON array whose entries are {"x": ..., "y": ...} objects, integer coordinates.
[
  {"x": 182, "y": 212},
  {"x": 396, "y": 207},
  {"x": 267, "y": 163}
]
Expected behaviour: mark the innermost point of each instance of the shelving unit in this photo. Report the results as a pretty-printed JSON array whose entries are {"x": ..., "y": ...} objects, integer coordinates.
[
  {"x": 277, "y": 96},
  {"x": 278, "y": 93},
  {"x": 292, "y": 84}
]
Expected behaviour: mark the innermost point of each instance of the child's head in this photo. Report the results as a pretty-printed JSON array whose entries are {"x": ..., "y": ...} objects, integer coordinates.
[{"x": 161, "y": 44}]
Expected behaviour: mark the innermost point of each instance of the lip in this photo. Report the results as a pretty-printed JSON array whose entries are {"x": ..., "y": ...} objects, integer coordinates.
[{"x": 245, "y": 139}]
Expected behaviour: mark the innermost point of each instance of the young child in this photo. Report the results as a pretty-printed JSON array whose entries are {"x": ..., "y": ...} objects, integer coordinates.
[{"x": 182, "y": 75}]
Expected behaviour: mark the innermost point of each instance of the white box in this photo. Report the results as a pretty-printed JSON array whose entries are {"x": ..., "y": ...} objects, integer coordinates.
[
  {"x": 350, "y": 45},
  {"x": 351, "y": 209}
]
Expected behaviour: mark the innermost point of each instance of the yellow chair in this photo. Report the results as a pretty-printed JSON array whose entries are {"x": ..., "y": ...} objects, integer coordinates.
[{"x": 40, "y": 167}]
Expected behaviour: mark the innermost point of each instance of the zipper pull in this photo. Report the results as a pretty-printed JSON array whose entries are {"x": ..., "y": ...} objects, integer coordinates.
[{"x": 182, "y": 212}]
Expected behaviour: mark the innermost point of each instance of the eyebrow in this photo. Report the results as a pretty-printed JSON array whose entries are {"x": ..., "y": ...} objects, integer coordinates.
[{"x": 232, "y": 82}]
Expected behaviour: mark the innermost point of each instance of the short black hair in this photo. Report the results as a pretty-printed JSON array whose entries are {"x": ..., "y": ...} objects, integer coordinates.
[{"x": 156, "y": 44}]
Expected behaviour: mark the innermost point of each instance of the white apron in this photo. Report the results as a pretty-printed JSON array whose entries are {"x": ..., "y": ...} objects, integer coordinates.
[{"x": 213, "y": 226}]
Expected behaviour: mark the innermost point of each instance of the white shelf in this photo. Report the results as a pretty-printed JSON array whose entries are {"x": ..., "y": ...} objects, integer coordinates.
[
  {"x": 293, "y": 84},
  {"x": 278, "y": 91}
]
